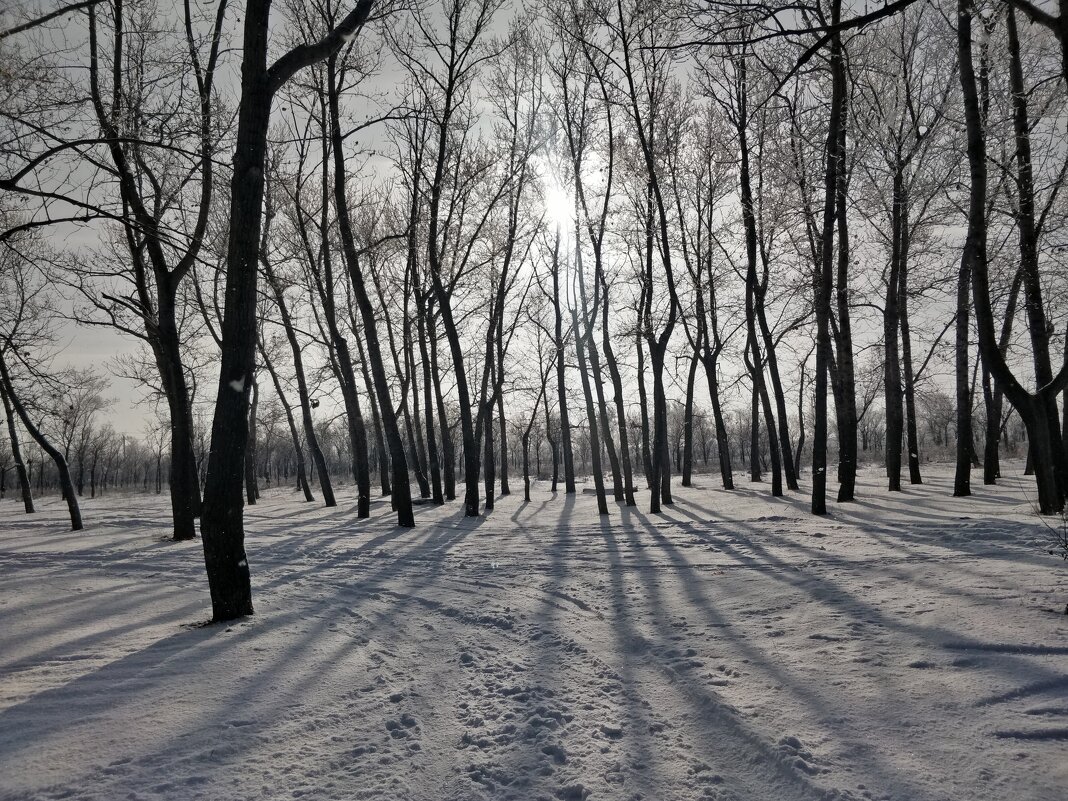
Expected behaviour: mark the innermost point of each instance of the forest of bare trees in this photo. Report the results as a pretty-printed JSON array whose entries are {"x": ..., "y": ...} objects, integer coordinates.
[{"x": 433, "y": 250}]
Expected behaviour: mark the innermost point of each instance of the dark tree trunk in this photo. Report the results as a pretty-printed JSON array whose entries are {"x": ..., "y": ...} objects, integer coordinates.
[
  {"x": 1033, "y": 408},
  {"x": 302, "y": 473},
  {"x": 754, "y": 427},
  {"x": 526, "y": 466},
  {"x": 824, "y": 277},
  {"x": 661, "y": 456},
  {"x": 846, "y": 398},
  {"x": 184, "y": 476},
  {"x": 61, "y": 464},
  {"x": 376, "y": 421},
  {"x": 251, "y": 492},
  {"x": 912, "y": 436},
  {"x": 361, "y": 459},
  {"x": 687, "y": 422},
  {"x": 401, "y": 491},
  {"x": 561, "y": 382},
  {"x": 428, "y": 409},
  {"x": 643, "y": 405},
  {"x": 895, "y": 412},
  {"x": 16, "y": 451},
  {"x": 606, "y": 426},
  {"x": 617, "y": 391},
  {"x": 1030, "y": 231},
  {"x": 448, "y": 456},
  {"x": 488, "y": 475},
  {"x": 785, "y": 448},
  {"x": 723, "y": 441},
  {"x": 222, "y": 527},
  {"x": 318, "y": 458},
  {"x": 413, "y": 421},
  {"x": 591, "y": 415},
  {"x": 502, "y": 422},
  {"x": 962, "y": 476}
]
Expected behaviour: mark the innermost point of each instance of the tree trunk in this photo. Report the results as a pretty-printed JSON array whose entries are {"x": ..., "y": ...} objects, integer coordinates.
[
  {"x": 1033, "y": 408},
  {"x": 488, "y": 475},
  {"x": 251, "y": 492},
  {"x": 302, "y": 473},
  {"x": 617, "y": 391},
  {"x": 61, "y": 464},
  {"x": 502, "y": 422},
  {"x": 16, "y": 451},
  {"x": 824, "y": 277},
  {"x": 912, "y": 436},
  {"x": 318, "y": 458},
  {"x": 687, "y": 423},
  {"x": 962, "y": 476},
  {"x": 401, "y": 490},
  {"x": 591, "y": 416},
  {"x": 561, "y": 383},
  {"x": 448, "y": 455},
  {"x": 754, "y": 426},
  {"x": 222, "y": 527},
  {"x": 785, "y": 447},
  {"x": 361, "y": 459},
  {"x": 895, "y": 413},
  {"x": 846, "y": 399},
  {"x": 428, "y": 411},
  {"x": 643, "y": 404},
  {"x": 185, "y": 480},
  {"x": 660, "y": 485},
  {"x": 723, "y": 442}
]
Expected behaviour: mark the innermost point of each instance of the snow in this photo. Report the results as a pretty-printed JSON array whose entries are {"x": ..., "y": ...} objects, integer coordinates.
[{"x": 908, "y": 646}]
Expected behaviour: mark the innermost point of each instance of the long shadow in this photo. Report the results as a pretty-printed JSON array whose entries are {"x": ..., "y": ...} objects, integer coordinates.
[
  {"x": 825, "y": 591},
  {"x": 735, "y": 743}
]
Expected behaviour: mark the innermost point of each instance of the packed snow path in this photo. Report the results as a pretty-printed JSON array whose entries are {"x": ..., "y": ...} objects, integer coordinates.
[{"x": 905, "y": 647}]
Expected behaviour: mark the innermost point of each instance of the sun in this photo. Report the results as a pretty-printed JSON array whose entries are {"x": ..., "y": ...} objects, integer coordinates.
[{"x": 559, "y": 205}]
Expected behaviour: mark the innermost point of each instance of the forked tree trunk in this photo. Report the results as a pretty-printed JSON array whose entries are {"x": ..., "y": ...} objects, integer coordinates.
[
  {"x": 1032, "y": 407},
  {"x": 222, "y": 525}
]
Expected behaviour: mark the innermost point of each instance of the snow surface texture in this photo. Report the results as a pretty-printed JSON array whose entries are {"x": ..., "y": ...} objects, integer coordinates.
[{"x": 908, "y": 646}]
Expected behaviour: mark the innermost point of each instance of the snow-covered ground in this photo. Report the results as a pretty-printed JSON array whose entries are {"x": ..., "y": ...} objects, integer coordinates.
[{"x": 905, "y": 647}]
